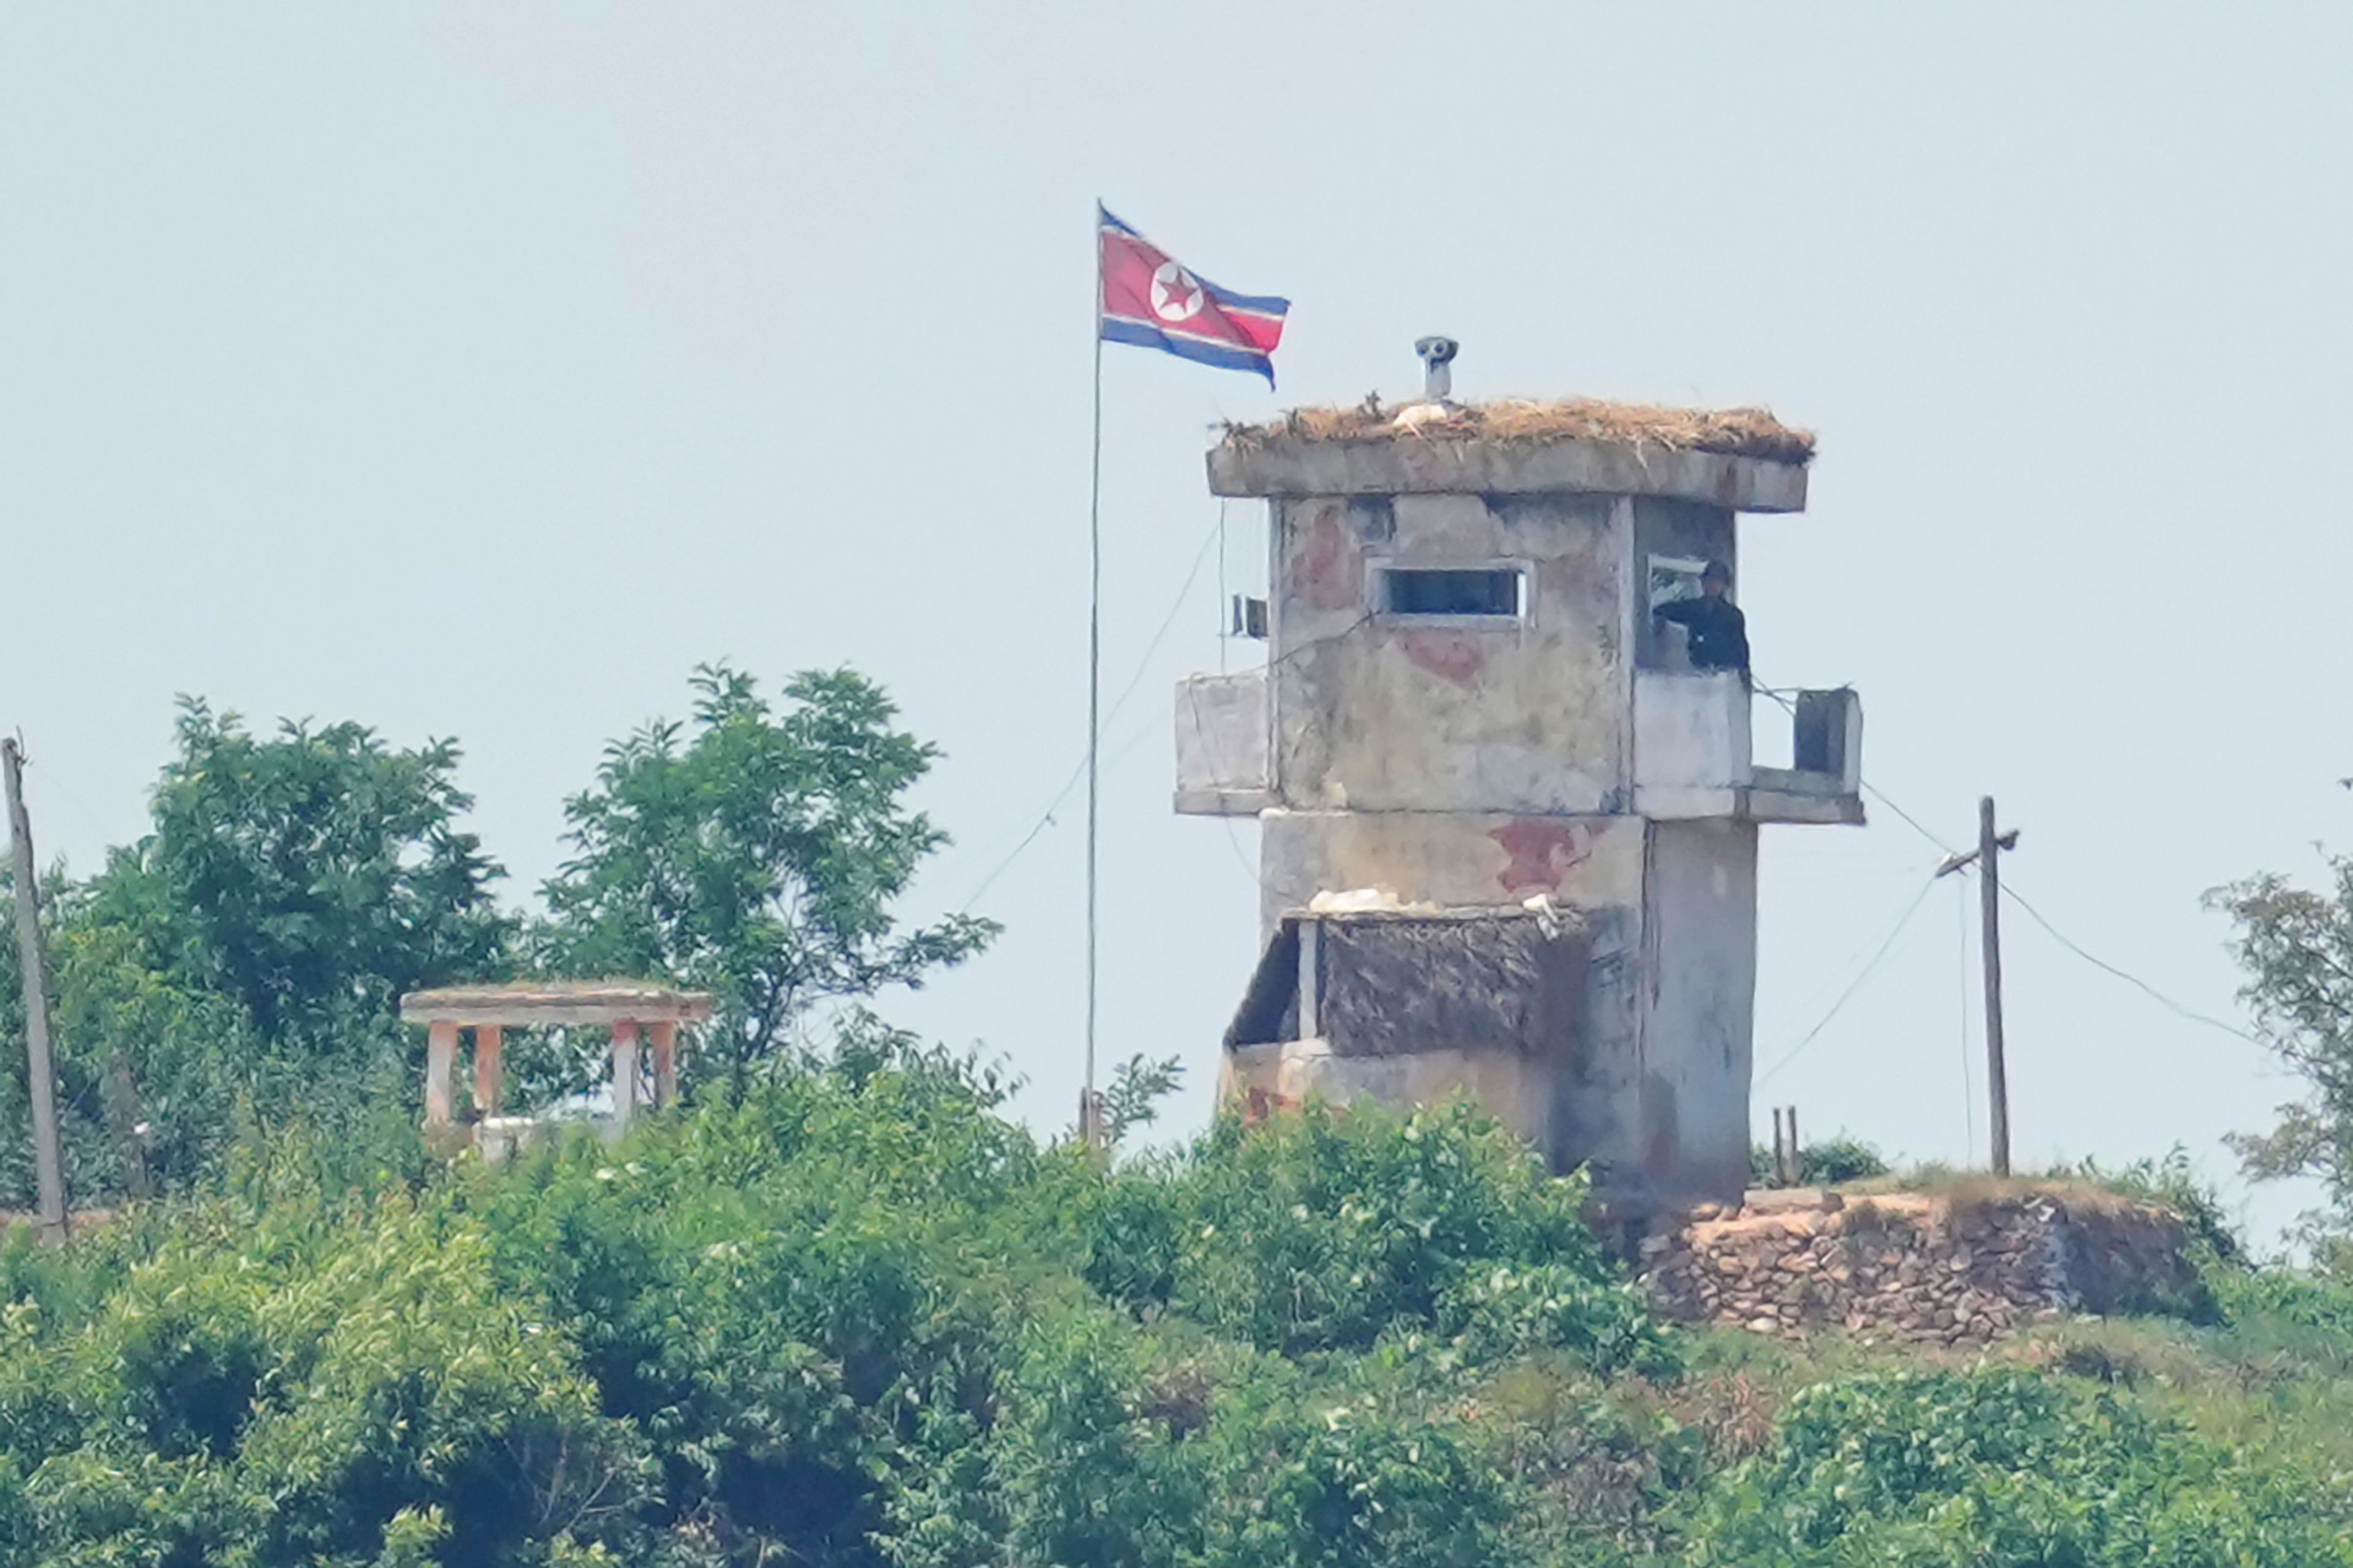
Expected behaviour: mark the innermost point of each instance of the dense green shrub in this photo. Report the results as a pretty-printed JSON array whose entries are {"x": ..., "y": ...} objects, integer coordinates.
[
  {"x": 1822, "y": 1164},
  {"x": 2170, "y": 1183},
  {"x": 856, "y": 1317},
  {"x": 2001, "y": 1467},
  {"x": 1356, "y": 1486},
  {"x": 280, "y": 1385},
  {"x": 1322, "y": 1230}
]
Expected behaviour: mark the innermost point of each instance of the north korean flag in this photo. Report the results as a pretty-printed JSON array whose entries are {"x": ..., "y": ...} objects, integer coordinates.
[{"x": 1151, "y": 302}]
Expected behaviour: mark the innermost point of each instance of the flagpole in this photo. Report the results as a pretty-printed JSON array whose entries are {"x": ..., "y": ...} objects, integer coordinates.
[{"x": 1090, "y": 1129}]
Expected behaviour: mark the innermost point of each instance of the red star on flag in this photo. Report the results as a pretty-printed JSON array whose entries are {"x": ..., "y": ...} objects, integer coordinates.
[
  {"x": 1174, "y": 295},
  {"x": 1145, "y": 296}
]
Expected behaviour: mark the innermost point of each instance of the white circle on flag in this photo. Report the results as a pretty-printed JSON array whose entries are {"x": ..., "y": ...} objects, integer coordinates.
[{"x": 1176, "y": 294}]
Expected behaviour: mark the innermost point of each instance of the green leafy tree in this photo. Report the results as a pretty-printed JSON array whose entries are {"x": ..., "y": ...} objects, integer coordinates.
[
  {"x": 306, "y": 875},
  {"x": 244, "y": 954},
  {"x": 2295, "y": 946},
  {"x": 148, "y": 1068},
  {"x": 1137, "y": 1087},
  {"x": 756, "y": 852}
]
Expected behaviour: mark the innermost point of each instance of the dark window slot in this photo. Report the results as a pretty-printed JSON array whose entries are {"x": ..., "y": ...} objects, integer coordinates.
[{"x": 1450, "y": 591}]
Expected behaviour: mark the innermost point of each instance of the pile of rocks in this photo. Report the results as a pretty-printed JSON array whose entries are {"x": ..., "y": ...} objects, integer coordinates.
[{"x": 1926, "y": 1268}]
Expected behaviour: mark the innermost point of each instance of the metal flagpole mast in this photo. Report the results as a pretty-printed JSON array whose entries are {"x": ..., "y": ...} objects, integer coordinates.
[{"x": 1090, "y": 1129}]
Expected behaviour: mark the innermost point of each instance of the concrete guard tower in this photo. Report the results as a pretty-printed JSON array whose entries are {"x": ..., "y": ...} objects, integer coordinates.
[{"x": 1509, "y": 835}]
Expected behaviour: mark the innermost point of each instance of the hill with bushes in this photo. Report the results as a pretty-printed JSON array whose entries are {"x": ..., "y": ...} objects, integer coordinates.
[
  {"x": 847, "y": 1313},
  {"x": 856, "y": 1316}
]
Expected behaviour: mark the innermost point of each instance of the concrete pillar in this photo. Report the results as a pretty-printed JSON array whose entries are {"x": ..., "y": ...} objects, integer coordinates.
[
  {"x": 625, "y": 1072},
  {"x": 440, "y": 1069},
  {"x": 665, "y": 1039},
  {"x": 490, "y": 1067}
]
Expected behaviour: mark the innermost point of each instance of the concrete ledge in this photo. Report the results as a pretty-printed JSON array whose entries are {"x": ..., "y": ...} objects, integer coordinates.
[
  {"x": 1673, "y": 802},
  {"x": 1409, "y": 463},
  {"x": 1766, "y": 804},
  {"x": 1688, "y": 803},
  {"x": 1222, "y": 802}
]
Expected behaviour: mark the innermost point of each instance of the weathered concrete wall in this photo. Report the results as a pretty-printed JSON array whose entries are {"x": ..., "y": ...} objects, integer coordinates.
[
  {"x": 1452, "y": 861},
  {"x": 1929, "y": 1269},
  {"x": 1596, "y": 1110},
  {"x": 1509, "y": 1085},
  {"x": 1222, "y": 731},
  {"x": 1699, "y": 940},
  {"x": 1693, "y": 750},
  {"x": 1383, "y": 714}
]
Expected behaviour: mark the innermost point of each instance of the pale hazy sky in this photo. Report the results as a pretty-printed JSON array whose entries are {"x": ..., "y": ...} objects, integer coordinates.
[{"x": 475, "y": 370}]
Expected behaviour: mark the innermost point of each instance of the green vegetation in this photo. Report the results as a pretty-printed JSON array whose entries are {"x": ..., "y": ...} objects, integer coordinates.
[
  {"x": 841, "y": 1312},
  {"x": 1828, "y": 1164},
  {"x": 2295, "y": 945},
  {"x": 755, "y": 854},
  {"x": 855, "y": 1316},
  {"x": 238, "y": 964}
]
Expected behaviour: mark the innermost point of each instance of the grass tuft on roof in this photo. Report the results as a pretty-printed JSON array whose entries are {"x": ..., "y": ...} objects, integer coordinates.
[{"x": 1733, "y": 432}]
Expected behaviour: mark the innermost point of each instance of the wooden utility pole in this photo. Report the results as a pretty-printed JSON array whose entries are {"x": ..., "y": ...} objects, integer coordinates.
[
  {"x": 1987, "y": 857},
  {"x": 1989, "y": 849},
  {"x": 40, "y": 1078}
]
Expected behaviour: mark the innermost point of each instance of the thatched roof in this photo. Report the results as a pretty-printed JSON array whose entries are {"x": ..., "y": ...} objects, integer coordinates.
[{"x": 1733, "y": 432}]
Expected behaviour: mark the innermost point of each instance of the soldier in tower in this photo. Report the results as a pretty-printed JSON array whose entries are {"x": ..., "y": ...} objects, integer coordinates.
[{"x": 1716, "y": 632}]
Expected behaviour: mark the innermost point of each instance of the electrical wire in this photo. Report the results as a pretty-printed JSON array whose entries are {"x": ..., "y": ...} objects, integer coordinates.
[
  {"x": 1881, "y": 796},
  {"x": 65, "y": 790},
  {"x": 1885, "y": 946},
  {"x": 1046, "y": 817},
  {"x": 1240, "y": 857},
  {"x": 1224, "y": 635},
  {"x": 1804, "y": 1009},
  {"x": 2010, "y": 891},
  {"x": 1969, "y": 1081},
  {"x": 2134, "y": 980}
]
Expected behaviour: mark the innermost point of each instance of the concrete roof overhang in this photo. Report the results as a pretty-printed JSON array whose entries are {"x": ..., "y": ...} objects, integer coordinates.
[
  {"x": 524, "y": 1005},
  {"x": 1411, "y": 463}
]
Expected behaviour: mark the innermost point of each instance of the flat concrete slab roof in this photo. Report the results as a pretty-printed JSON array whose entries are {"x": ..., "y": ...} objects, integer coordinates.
[
  {"x": 523, "y": 1004},
  {"x": 1743, "y": 459}
]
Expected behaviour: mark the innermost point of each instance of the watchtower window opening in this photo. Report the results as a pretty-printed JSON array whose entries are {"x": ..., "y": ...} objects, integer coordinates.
[
  {"x": 1674, "y": 577},
  {"x": 1453, "y": 591}
]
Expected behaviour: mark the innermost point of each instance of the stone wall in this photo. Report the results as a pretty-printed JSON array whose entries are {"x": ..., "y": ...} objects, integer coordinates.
[{"x": 1926, "y": 1268}]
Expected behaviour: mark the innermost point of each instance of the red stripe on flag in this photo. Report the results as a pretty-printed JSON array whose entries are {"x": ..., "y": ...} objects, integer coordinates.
[{"x": 1128, "y": 265}]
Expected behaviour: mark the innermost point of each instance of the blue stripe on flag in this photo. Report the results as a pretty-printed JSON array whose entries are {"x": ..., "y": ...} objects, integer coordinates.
[
  {"x": 1119, "y": 330},
  {"x": 1265, "y": 304}
]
